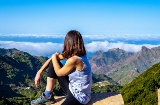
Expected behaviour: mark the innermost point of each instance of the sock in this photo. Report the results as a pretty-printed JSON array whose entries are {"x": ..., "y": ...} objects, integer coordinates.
[{"x": 47, "y": 93}]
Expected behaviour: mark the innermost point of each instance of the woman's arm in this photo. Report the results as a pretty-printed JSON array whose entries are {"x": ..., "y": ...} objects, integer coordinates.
[
  {"x": 45, "y": 66},
  {"x": 38, "y": 76},
  {"x": 70, "y": 64}
]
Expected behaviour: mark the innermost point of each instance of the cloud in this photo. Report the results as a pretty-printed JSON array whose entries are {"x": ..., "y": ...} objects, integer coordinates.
[
  {"x": 48, "y": 48},
  {"x": 38, "y": 49},
  {"x": 105, "y": 46},
  {"x": 110, "y": 37},
  {"x": 34, "y": 35}
]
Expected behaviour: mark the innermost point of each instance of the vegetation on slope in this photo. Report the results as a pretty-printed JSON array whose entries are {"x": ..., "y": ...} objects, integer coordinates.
[{"x": 143, "y": 89}]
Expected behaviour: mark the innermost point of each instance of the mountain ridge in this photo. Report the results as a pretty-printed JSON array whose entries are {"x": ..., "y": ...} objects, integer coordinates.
[{"x": 126, "y": 69}]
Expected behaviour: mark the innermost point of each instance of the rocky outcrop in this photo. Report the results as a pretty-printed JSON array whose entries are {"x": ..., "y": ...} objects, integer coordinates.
[
  {"x": 109, "y": 98},
  {"x": 158, "y": 96}
]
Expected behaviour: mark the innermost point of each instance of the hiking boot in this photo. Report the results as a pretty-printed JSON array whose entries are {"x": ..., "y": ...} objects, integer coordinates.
[{"x": 42, "y": 100}]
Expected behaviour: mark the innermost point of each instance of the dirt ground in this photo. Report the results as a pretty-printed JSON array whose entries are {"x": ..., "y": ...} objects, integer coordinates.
[
  {"x": 158, "y": 96},
  {"x": 109, "y": 98}
]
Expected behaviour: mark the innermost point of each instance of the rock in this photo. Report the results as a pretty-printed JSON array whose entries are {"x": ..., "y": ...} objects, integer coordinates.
[
  {"x": 109, "y": 98},
  {"x": 158, "y": 96}
]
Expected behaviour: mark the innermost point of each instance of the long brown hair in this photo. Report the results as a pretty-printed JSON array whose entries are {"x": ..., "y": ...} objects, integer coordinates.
[{"x": 73, "y": 45}]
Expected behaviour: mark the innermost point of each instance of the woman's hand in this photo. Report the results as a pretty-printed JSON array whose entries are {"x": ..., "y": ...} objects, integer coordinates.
[
  {"x": 37, "y": 79},
  {"x": 58, "y": 56}
]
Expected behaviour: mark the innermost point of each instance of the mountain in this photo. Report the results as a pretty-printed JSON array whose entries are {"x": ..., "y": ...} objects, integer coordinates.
[
  {"x": 103, "y": 59},
  {"x": 17, "y": 69},
  {"x": 124, "y": 66},
  {"x": 143, "y": 89}
]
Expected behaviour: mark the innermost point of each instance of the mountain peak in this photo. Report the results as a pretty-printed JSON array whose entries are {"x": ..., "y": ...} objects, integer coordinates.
[{"x": 144, "y": 48}]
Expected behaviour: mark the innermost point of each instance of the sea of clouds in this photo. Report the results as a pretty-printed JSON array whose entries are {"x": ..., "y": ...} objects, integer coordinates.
[
  {"x": 92, "y": 36},
  {"x": 96, "y": 43},
  {"x": 48, "y": 48}
]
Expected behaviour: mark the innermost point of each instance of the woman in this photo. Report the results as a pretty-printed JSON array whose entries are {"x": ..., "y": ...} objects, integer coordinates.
[{"x": 75, "y": 77}]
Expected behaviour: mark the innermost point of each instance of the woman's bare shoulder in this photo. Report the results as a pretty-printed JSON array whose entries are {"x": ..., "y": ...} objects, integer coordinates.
[{"x": 72, "y": 59}]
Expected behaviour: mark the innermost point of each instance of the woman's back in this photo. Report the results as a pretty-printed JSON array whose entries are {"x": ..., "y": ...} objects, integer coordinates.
[{"x": 81, "y": 81}]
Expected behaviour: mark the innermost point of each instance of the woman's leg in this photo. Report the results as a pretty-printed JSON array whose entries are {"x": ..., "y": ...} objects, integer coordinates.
[
  {"x": 47, "y": 96},
  {"x": 50, "y": 86},
  {"x": 51, "y": 78},
  {"x": 71, "y": 100},
  {"x": 64, "y": 83}
]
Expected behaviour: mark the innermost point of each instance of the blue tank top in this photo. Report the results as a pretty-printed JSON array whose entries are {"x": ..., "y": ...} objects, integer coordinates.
[{"x": 81, "y": 82}]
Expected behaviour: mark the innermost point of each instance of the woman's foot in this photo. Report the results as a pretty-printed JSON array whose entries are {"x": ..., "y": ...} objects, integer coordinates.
[{"x": 42, "y": 100}]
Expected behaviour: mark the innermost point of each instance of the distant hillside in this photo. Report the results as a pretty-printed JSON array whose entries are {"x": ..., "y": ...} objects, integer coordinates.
[
  {"x": 17, "y": 69},
  {"x": 124, "y": 66},
  {"x": 99, "y": 78},
  {"x": 102, "y": 84},
  {"x": 143, "y": 89}
]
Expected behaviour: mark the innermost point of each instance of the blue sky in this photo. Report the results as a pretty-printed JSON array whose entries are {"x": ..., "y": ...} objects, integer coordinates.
[
  {"x": 39, "y": 26},
  {"x": 87, "y": 16}
]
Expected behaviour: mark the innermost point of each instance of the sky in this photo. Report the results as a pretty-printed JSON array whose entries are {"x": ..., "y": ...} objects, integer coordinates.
[
  {"x": 86, "y": 16},
  {"x": 39, "y": 26}
]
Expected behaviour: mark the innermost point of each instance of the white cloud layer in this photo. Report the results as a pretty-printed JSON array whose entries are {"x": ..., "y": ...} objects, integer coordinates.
[
  {"x": 48, "y": 48},
  {"x": 38, "y": 49},
  {"x": 105, "y": 46},
  {"x": 92, "y": 36}
]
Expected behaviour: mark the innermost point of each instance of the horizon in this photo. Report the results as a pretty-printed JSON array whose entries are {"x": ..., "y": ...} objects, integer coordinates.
[{"x": 46, "y": 46}]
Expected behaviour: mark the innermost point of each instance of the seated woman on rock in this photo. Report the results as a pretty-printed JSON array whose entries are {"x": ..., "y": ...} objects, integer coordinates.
[{"x": 75, "y": 77}]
